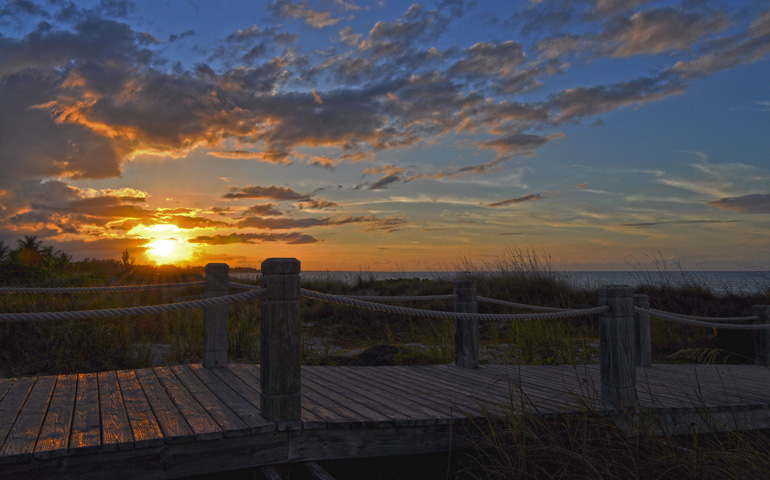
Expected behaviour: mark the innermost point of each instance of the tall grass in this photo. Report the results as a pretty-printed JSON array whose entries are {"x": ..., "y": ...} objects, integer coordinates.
[{"x": 595, "y": 444}]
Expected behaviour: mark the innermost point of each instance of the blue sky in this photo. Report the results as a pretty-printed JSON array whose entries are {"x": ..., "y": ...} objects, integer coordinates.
[{"x": 388, "y": 135}]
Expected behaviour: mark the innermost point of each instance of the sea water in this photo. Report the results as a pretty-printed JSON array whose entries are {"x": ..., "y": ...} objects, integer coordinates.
[{"x": 717, "y": 281}]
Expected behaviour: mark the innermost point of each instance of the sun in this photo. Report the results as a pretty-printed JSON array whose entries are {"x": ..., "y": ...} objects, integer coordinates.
[{"x": 168, "y": 250}]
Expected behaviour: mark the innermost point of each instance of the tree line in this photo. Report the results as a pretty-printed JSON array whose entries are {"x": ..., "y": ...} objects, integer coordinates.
[{"x": 30, "y": 252}]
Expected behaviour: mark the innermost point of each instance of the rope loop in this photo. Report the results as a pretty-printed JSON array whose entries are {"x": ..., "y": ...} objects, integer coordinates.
[
  {"x": 118, "y": 312},
  {"x": 344, "y": 300},
  {"x": 693, "y": 321},
  {"x": 116, "y": 288},
  {"x": 521, "y": 305}
]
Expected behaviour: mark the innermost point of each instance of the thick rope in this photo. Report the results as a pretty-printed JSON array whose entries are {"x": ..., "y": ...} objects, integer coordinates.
[
  {"x": 707, "y": 319},
  {"x": 342, "y": 300},
  {"x": 385, "y": 298},
  {"x": 118, "y": 312},
  {"x": 118, "y": 288},
  {"x": 246, "y": 286},
  {"x": 521, "y": 305},
  {"x": 700, "y": 323}
]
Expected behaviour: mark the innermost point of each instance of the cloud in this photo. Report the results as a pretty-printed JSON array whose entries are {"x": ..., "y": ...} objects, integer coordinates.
[
  {"x": 293, "y": 238},
  {"x": 274, "y": 192},
  {"x": 575, "y": 103},
  {"x": 754, "y": 203},
  {"x": 318, "y": 205},
  {"x": 314, "y": 18},
  {"x": 513, "y": 201},
  {"x": 679, "y": 222},
  {"x": 373, "y": 223},
  {"x": 490, "y": 59},
  {"x": 266, "y": 209}
]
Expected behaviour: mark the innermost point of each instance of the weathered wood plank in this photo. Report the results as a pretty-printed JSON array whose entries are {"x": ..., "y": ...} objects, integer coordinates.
[
  {"x": 203, "y": 426},
  {"x": 21, "y": 439},
  {"x": 55, "y": 433},
  {"x": 5, "y": 385},
  {"x": 144, "y": 425},
  {"x": 86, "y": 435},
  {"x": 11, "y": 404},
  {"x": 312, "y": 414},
  {"x": 218, "y": 409},
  {"x": 344, "y": 391},
  {"x": 172, "y": 423},
  {"x": 317, "y": 472},
  {"x": 116, "y": 430},
  {"x": 393, "y": 396},
  {"x": 234, "y": 396}
]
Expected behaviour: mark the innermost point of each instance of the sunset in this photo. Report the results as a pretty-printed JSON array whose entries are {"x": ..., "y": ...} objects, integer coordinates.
[
  {"x": 388, "y": 135},
  {"x": 348, "y": 239}
]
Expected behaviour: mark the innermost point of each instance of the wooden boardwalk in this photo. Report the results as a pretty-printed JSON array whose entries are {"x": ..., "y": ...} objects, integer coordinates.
[{"x": 175, "y": 421}]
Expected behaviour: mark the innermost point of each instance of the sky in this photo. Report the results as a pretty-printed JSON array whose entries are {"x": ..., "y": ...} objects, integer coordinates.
[{"x": 389, "y": 135}]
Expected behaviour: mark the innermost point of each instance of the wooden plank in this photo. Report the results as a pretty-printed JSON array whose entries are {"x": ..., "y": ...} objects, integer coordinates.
[
  {"x": 401, "y": 393},
  {"x": 116, "y": 430},
  {"x": 361, "y": 395},
  {"x": 11, "y": 404},
  {"x": 203, "y": 426},
  {"x": 311, "y": 417},
  {"x": 144, "y": 426},
  {"x": 235, "y": 398},
  {"x": 171, "y": 422},
  {"x": 367, "y": 384},
  {"x": 20, "y": 442},
  {"x": 55, "y": 433},
  {"x": 5, "y": 385},
  {"x": 449, "y": 400},
  {"x": 346, "y": 404},
  {"x": 86, "y": 435},
  {"x": 317, "y": 472}
]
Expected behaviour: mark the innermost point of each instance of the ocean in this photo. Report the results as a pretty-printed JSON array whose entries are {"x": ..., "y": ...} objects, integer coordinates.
[{"x": 718, "y": 281}]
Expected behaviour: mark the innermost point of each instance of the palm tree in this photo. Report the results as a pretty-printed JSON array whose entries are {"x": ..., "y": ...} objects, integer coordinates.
[
  {"x": 29, "y": 250},
  {"x": 3, "y": 250}
]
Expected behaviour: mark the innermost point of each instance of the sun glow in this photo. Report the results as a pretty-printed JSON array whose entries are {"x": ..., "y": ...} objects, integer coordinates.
[{"x": 166, "y": 244}]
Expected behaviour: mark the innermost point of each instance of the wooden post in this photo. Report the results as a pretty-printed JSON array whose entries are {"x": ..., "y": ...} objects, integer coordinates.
[
  {"x": 280, "y": 340},
  {"x": 215, "y": 339},
  {"x": 643, "y": 335},
  {"x": 466, "y": 331},
  {"x": 762, "y": 337},
  {"x": 616, "y": 344}
]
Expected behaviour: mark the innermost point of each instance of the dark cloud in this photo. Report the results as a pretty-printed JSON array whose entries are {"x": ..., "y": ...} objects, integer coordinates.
[
  {"x": 575, "y": 103},
  {"x": 274, "y": 192},
  {"x": 513, "y": 201},
  {"x": 680, "y": 222},
  {"x": 754, "y": 203},
  {"x": 489, "y": 59},
  {"x": 178, "y": 36},
  {"x": 372, "y": 222},
  {"x": 14, "y": 8},
  {"x": 293, "y": 238},
  {"x": 318, "y": 205},
  {"x": 266, "y": 209}
]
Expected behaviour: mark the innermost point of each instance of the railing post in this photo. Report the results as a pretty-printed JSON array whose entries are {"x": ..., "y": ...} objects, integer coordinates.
[
  {"x": 643, "y": 335},
  {"x": 466, "y": 331},
  {"x": 280, "y": 340},
  {"x": 616, "y": 344},
  {"x": 215, "y": 340},
  {"x": 762, "y": 337}
]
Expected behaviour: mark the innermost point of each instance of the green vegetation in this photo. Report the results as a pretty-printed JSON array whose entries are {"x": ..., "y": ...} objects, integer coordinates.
[{"x": 334, "y": 334}]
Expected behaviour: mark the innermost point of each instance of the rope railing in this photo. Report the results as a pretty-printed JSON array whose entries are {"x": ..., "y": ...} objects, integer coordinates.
[
  {"x": 246, "y": 286},
  {"x": 116, "y": 288},
  {"x": 354, "y": 302},
  {"x": 395, "y": 298},
  {"x": 697, "y": 322},
  {"x": 521, "y": 305},
  {"x": 142, "y": 310}
]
